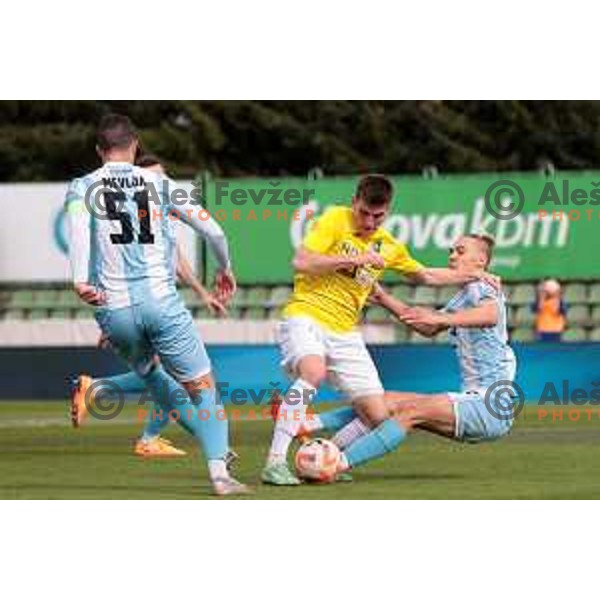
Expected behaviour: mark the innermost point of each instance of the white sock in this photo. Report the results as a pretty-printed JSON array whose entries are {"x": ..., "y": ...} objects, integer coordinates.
[
  {"x": 350, "y": 433},
  {"x": 217, "y": 469},
  {"x": 292, "y": 414}
]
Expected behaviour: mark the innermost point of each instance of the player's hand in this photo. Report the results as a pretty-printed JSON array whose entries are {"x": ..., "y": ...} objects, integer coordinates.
[
  {"x": 225, "y": 286},
  {"x": 424, "y": 317},
  {"x": 369, "y": 258},
  {"x": 215, "y": 308},
  {"x": 377, "y": 295},
  {"x": 90, "y": 294}
]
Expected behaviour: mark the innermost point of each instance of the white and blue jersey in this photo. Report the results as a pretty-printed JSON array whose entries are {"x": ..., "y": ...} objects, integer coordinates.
[
  {"x": 483, "y": 409},
  {"x": 121, "y": 221},
  {"x": 483, "y": 353},
  {"x": 122, "y": 232}
]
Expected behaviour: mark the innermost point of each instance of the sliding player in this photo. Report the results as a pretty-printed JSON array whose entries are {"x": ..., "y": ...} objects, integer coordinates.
[
  {"x": 122, "y": 263},
  {"x": 476, "y": 318},
  {"x": 340, "y": 260}
]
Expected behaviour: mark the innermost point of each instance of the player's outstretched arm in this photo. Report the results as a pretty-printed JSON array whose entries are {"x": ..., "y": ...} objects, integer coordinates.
[
  {"x": 315, "y": 263},
  {"x": 425, "y": 321},
  {"x": 188, "y": 211},
  {"x": 401, "y": 310},
  {"x": 439, "y": 277},
  {"x": 185, "y": 273},
  {"x": 484, "y": 315},
  {"x": 379, "y": 295},
  {"x": 215, "y": 237}
]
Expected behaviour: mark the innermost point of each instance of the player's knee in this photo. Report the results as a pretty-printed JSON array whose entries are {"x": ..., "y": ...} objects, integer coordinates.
[
  {"x": 407, "y": 419},
  {"x": 199, "y": 383},
  {"x": 375, "y": 418},
  {"x": 371, "y": 411},
  {"x": 313, "y": 371}
]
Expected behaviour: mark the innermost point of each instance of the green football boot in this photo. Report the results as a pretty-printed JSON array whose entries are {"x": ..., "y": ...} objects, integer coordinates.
[{"x": 279, "y": 474}]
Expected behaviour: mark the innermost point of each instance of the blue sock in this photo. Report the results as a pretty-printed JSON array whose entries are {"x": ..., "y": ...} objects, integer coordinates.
[
  {"x": 202, "y": 417},
  {"x": 381, "y": 440},
  {"x": 158, "y": 419},
  {"x": 214, "y": 427},
  {"x": 132, "y": 383},
  {"x": 128, "y": 383},
  {"x": 337, "y": 418}
]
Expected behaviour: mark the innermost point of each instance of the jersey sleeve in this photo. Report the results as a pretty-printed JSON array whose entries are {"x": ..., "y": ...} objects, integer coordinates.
[
  {"x": 459, "y": 301},
  {"x": 402, "y": 262},
  {"x": 78, "y": 231},
  {"x": 323, "y": 233},
  {"x": 470, "y": 296},
  {"x": 479, "y": 291},
  {"x": 192, "y": 213}
]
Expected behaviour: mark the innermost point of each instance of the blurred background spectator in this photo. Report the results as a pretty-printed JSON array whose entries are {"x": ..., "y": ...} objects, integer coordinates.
[{"x": 550, "y": 312}]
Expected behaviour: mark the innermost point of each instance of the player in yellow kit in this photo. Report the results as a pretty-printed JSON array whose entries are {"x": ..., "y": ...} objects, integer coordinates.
[{"x": 339, "y": 262}]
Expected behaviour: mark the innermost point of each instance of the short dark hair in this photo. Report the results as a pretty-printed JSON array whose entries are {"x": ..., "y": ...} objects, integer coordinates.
[
  {"x": 115, "y": 132},
  {"x": 375, "y": 190},
  {"x": 487, "y": 241},
  {"x": 147, "y": 160}
]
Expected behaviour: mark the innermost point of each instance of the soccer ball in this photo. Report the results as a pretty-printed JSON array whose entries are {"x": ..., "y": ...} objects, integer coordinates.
[{"x": 317, "y": 460}]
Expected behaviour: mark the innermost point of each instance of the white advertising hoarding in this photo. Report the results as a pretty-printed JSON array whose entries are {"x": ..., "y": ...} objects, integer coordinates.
[{"x": 33, "y": 242}]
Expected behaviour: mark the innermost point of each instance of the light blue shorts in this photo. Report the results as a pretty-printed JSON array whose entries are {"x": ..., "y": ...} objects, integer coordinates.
[
  {"x": 476, "y": 422},
  {"x": 159, "y": 327}
]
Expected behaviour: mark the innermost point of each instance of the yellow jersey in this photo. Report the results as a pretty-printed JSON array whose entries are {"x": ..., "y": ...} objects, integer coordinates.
[{"x": 335, "y": 300}]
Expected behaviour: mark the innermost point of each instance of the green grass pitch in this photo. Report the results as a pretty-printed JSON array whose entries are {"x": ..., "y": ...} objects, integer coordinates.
[{"x": 41, "y": 456}]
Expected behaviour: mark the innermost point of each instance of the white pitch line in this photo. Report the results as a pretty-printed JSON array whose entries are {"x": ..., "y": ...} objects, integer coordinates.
[
  {"x": 41, "y": 422},
  {"x": 57, "y": 422}
]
